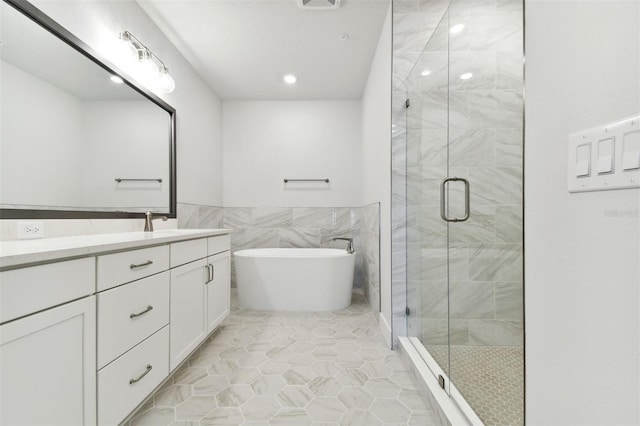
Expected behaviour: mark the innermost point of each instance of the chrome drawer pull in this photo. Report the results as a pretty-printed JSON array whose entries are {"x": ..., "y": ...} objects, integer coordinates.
[
  {"x": 149, "y": 307},
  {"x": 132, "y": 381},
  {"x": 147, "y": 263}
]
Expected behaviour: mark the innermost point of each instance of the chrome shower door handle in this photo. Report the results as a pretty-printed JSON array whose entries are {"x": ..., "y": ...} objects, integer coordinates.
[{"x": 443, "y": 200}]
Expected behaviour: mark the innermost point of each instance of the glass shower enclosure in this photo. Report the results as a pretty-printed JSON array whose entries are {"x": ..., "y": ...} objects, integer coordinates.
[{"x": 464, "y": 202}]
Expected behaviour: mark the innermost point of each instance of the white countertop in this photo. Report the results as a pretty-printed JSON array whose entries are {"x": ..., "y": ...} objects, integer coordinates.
[{"x": 25, "y": 252}]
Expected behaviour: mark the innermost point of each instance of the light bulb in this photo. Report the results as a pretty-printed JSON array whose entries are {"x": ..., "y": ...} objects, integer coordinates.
[
  {"x": 290, "y": 79},
  {"x": 166, "y": 82},
  {"x": 149, "y": 72},
  {"x": 466, "y": 76},
  {"x": 125, "y": 53},
  {"x": 425, "y": 73}
]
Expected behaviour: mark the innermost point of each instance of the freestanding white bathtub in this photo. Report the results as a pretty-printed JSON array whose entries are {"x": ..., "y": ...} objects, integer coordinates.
[{"x": 294, "y": 279}]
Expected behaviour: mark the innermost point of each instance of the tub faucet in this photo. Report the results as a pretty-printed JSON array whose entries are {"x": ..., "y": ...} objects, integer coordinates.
[
  {"x": 350, "y": 246},
  {"x": 148, "y": 221}
]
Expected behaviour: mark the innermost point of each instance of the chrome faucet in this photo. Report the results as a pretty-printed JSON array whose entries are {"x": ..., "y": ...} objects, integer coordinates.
[
  {"x": 350, "y": 246},
  {"x": 148, "y": 221}
]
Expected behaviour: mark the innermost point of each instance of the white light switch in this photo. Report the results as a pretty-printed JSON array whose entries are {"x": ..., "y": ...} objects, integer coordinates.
[
  {"x": 605, "y": 156},
  {"x": 631, "y": 151},
  {"x": 583, "y": 160}
]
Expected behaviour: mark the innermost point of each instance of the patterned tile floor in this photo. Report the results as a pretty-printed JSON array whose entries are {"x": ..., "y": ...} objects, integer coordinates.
[
  {"x": 490, "y": 378},
  {"x": 279, "y": 368}
]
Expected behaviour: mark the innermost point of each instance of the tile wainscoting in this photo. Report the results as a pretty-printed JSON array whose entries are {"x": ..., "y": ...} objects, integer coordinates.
[{"x": 255, "y": 227}]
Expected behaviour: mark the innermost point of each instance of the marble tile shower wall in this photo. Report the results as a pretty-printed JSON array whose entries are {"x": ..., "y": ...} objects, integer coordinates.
[
  {"x": 474, "y": 128},
  {"x": 256, "y": 227}
]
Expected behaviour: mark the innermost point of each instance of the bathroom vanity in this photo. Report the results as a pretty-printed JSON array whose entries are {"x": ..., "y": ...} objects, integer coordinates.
[{"x": 91, "y": 325}]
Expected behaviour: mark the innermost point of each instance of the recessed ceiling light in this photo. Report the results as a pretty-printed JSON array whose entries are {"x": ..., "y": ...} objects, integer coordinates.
[
  {"x": 425, "y": 73},
  {"x": 116, "y": 79},
  {"x": 343, "y": 36},
  {"x": 466, "y": 76},
  {"x": 456, "y": 29},
  {"x": 290, "y": 78}
]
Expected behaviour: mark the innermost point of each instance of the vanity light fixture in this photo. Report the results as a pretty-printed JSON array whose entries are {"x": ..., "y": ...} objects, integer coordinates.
[{"x": 143, "y": 64}]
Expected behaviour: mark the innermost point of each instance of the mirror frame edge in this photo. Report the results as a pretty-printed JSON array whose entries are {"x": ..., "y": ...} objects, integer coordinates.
[{"x": 49, "y": 24}]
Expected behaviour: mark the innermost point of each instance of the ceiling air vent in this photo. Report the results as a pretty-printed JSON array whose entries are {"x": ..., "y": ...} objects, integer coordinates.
[{"x": 318, "y": 4}]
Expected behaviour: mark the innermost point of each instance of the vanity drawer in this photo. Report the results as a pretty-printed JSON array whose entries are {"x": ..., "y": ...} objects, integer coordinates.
[
  {"x": 218, "y": 244},
  {"x": 28, "y": 290},
  {"x": 130, "y": 313},
  {"x": 119, "y": 268},
  {"x": 188, "y": 251},
  {"x": 124, "y": 383}
]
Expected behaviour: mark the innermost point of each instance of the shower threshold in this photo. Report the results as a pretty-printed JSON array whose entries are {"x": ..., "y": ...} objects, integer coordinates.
[{"x": 452, "y": 409}]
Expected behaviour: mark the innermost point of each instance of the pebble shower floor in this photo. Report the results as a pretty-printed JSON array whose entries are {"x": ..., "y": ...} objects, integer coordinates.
[{"x": 291, "y": 368}]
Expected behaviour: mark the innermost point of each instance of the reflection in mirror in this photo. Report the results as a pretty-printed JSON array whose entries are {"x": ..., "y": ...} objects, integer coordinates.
[{"x": 72, "y": 139}]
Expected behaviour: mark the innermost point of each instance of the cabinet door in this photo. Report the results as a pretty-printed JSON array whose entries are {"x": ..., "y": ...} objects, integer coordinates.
[
  {"x": 48, "y": 367},
  {"x": 218, "y": 292},
  {"x": 188, "y": 309}
]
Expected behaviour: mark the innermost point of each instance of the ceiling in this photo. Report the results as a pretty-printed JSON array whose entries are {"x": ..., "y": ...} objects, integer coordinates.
[{"x": 242, "y": 48}]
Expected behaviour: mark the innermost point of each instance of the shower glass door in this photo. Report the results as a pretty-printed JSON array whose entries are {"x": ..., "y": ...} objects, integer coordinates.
[
  {"x": 427, "y": 234},
  {"x": 464, "y": 206}
]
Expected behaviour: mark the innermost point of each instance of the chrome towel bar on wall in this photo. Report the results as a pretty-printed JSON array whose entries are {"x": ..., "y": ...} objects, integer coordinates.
[
  {"x": 138, "y": 180},
  {"x": 326, "y": 180}
]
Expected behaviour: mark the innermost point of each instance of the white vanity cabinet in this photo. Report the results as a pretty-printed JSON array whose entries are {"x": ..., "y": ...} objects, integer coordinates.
[
  {"x": 48, "y": 356},
  {"x": 87, "y": 333},
  {"x": 199, "y": 292},
  {"x": 133, "y": 339}
]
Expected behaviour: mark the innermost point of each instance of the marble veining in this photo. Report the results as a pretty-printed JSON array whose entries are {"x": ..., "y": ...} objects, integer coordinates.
[{"x": 484, "y": 105}]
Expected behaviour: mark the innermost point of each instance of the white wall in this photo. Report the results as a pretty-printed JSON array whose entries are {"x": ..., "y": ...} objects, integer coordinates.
[
  {"x": 199, "y": 154},
  {"x": 41, "y": 123},
  {"x": 376, "y": 156},
  {"x": 582, "y": 263},
  {"x": 139, "y": 129},
  {"x": 267, "y": 141}
]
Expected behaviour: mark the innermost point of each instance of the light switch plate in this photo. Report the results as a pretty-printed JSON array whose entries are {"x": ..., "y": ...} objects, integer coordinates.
[{"x": 608, "y": 150}]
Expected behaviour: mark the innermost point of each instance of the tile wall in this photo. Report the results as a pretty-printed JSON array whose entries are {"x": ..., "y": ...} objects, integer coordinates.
[{"x": 255, "y": 227}]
